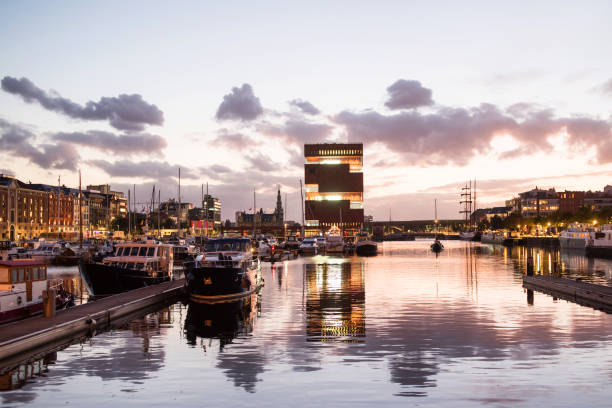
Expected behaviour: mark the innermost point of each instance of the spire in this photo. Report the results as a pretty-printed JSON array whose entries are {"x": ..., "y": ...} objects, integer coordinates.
[{"x": 279, "y": 207}]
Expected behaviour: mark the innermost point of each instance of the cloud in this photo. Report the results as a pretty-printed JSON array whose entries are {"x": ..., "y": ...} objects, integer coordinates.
[
  {"x": 236, "y": 141},
  {"x": 17, "y": 141},
  {"x": 408, "y": 94},
  {"x": 455, "y": 135},
  {"x": 262, "y": 162},
  {"x": 124, "y": 112},
  {"x": 240, "y": 104},
  {"x": 298, "y": 132},
  {"x": 157, "y": 170},
  {"x": 606, "y": 87},
  {"x": 305, "y": 106},
  {"x": 123, "y": 145}
]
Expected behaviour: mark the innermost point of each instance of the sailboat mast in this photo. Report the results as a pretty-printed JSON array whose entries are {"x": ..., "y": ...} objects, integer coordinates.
[
  {"x": 129, "y": 212},
  {"x": 302, "y": 201},
  {"x": 254, "y": 205},
  {"x": 179, "y": 203},
  {"x": 80, "y": 213},
  {"x": 159, "y": 213},
  {"x": 58, "y": 208}
]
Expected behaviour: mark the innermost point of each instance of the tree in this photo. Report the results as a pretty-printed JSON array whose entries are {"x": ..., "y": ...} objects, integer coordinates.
[{"x": 497, "y": 222}]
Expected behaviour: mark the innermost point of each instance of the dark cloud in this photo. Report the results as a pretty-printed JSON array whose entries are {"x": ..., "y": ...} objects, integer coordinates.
[
  {"x": 157, "y": 170},
  {"x": 240, "y": 104},
  {"x": 408, "y": 94},
  {"x": 17, "y": 141},
  {"x": 123, "y": 145},
  {"x": 235, "y": 141},
  {"x": 455, "y": 135},
  {"x": 124, "y": 112},
  {"x": 305, "y": 106}
]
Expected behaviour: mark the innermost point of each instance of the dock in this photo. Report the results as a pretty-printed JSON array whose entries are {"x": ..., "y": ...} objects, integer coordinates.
[
  {"x": 35, "y": 332},
  {"x": 586, "y": 294}
]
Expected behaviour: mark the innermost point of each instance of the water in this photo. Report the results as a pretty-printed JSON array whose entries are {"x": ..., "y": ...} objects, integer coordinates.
[{"x": 405, "y": 327}]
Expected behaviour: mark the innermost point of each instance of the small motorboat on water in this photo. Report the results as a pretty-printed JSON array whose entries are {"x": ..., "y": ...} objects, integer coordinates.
[
  {"x": 133, "y": 265},
  {"x": 309, "y": 246},
  {"x": 364, "y": 246},
  {"x": 335, "y": 241},
  {"x": 226, "y": 271},
  {"x": 437, "y": 246}
]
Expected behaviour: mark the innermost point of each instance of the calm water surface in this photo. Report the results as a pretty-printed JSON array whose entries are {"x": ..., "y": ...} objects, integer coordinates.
[{"x": 403, "y": 328}]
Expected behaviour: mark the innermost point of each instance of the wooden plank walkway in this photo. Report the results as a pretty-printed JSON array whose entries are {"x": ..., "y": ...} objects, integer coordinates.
[
  {"x": 30, "y": 333},
  {"x": 588, "y": 294}
]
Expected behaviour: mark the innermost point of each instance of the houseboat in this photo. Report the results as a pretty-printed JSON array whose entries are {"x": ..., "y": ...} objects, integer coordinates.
[
  {"x": 226, "y": 271},
  {"x": 133, "y": 265},
  {"x": 22, "y": 282}
]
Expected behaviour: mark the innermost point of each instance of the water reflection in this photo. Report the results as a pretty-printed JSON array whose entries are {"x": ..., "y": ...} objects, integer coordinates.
[{"x": 335, "y": 302}]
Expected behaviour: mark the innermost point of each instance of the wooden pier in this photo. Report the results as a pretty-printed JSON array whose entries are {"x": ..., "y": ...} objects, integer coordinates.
[
  {"x": 24, "y": 335},
  {"x": 586, "y": 294}
]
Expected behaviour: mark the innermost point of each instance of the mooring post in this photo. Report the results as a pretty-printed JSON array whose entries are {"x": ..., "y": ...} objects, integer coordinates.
[{"x": 49, "y": 302}]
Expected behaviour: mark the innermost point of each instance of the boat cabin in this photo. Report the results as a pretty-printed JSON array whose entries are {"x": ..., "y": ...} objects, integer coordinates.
[
  {"x": 25, "y": 278},
  {"x": 152, "y": 257}
]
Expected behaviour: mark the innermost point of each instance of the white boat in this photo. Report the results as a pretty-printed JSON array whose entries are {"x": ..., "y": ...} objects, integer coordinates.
[
  {"x": 46, "y": 252},
  {"x": 364, "y": 246},
  {"x": 335, "y": 241},
  {"x": 264, "y": 249},
  {"x": 321, "y": 243},
  {"x": 599, "y": 243},
  {"x": 573, "y": 238},
  {"x": 309, "y": 246},
  {"x": 467, "y": 235}
]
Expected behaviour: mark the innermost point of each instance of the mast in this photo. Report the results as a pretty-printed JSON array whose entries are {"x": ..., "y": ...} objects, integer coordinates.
[
  {"x": 135, "y": 210},
  {"x": 436, "y": 215},
  {"x": 58, "y": 208},
  {"x": 159, "y": 213},
  {"x": 80, "y": 213},
  {"x": 129, "y": 212},
  {"x": 254, "y": 204},
  {"x": 475, "y": 208},
  {"x": 205, "y": 215},
  {"x": 466, "y": 200},
  {"x": 179, "y": 204},
  {"x": 302, "y": 201}
]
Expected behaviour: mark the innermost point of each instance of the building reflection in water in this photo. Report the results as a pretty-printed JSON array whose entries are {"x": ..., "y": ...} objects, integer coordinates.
[{"x": 335, "y": 300}]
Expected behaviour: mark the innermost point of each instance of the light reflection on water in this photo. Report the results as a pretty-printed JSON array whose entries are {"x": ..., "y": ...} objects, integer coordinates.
[{"x": 406, "y": 326}]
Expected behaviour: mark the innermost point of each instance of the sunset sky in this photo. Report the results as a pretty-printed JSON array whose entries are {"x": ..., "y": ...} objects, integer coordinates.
[{"x": 514, "y": 95}]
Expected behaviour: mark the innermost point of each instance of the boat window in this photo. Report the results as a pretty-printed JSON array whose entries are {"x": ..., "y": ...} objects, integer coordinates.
[
  {"x": 226, "y": 245},
  {"x": 42, "y": 273},
  {"x": 142, "y": 251},
  {"x": 119, "y": 251},
  {"x": 150, "y": 251},
  {"x": 13, "y": 275},
  {"x": 21, "y": 275},
  {"x": 134, "y": 251},
  {"x": 35, "y": 273}
]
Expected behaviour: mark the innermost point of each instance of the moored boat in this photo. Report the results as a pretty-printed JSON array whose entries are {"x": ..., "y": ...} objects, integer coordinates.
[
  {"x": 22, "y": 282},
  {"x": 309, "y": 246},
  {"x": 574, "y": 238},
  {"x": 437, "y": 246},
  {"x": 226, "y": 271},
  {"x": 599, "y": 243},
  {"x": 133, "y": 265},
  {"x": 335, "y": 242},
  {"x": 364, "y": 246}
]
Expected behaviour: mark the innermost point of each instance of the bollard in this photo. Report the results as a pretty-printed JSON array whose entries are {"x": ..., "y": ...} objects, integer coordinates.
[{"x": 49, "y": 302}]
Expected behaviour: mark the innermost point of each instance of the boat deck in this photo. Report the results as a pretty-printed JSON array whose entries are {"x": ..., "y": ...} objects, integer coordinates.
[{"x": 23, "y": 335}]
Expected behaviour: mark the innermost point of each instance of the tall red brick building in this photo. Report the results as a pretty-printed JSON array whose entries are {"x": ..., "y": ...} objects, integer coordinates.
[{"x": 333, "y": 175}]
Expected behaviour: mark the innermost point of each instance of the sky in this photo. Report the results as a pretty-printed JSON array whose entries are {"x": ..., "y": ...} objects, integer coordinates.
[{"x": 514, "y": 95}]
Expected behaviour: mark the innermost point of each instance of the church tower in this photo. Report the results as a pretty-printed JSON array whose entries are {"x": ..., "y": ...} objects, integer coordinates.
[{"x": 279, "y": 209}]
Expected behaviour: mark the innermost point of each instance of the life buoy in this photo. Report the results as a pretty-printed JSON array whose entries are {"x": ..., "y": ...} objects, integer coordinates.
[{"x": 19, "y": 300}]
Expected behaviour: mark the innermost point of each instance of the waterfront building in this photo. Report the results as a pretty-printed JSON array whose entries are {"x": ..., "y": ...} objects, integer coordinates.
[
  {"x": 538, "y": 202},
  {"x": 24, "y": 210},
  {"x": 211, "y": 212},
  {"x": 117, "y": 202},
  {"x": 263, "y": 217},
  {"x": 598, "y": 200},
  {"x": 483, "y": 214},
  {"x": 171, "y": 208},
  {"x": 333, "y": 177},
  {"x": 570, "y": 201}
]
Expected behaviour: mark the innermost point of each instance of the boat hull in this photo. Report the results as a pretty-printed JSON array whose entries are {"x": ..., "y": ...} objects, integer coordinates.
[
  {"x": 572, "y": 243},
  {"x": 599, "y": 252},
  {"x": 366, "y": 250},
  {"x": 213, "y": 284},
  {"x": 103, "y": 279}
]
